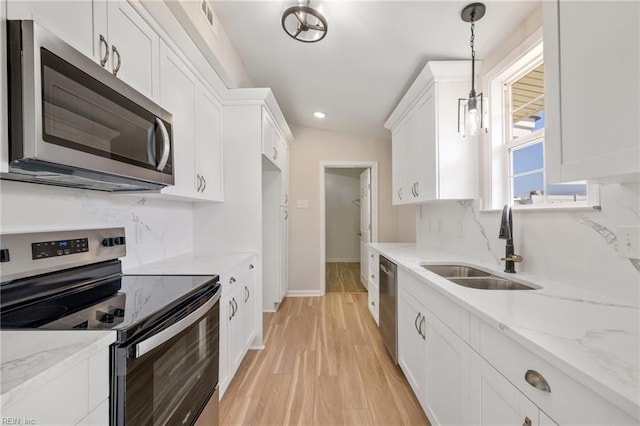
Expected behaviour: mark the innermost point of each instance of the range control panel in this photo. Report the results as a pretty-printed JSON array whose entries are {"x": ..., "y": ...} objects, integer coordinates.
[{"x": 45, "y": 249}]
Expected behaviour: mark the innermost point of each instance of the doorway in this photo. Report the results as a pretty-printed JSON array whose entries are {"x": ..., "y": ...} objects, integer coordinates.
[{"x": 348, "y": 224}]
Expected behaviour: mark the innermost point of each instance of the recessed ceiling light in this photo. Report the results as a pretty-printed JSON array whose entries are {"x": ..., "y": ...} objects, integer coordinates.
[{"x": 319, "y": 114}]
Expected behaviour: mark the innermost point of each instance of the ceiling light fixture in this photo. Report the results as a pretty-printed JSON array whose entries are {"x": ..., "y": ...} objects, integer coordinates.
[
  {"x": 471, "y": 110},
  {"x": 304, "y": 22},
  {"x": 319, "y": 114}
]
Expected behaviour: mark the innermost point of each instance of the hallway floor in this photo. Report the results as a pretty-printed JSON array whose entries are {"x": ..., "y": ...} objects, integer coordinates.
[
  {"x": 344, "y": 277},
  {"x": 324, "y": 364}
]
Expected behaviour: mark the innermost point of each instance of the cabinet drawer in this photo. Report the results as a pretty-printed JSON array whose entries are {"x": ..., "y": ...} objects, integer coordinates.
[
  {"x": 239, "y": 274},
  {"x": 569, "y": 402},
  {"x": 374, "y": 264},
  {"x": 441, "y": 307}
]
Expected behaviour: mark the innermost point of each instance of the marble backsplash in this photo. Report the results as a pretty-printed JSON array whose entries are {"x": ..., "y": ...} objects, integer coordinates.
[
  {"x": 579, "y": 248},
  {"x": 155, "y": 229}
]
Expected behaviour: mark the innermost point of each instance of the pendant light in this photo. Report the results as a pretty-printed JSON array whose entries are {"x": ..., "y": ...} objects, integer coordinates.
[
  {"x": 304, "y": 22},
  {"x": 471, "y": 110}
]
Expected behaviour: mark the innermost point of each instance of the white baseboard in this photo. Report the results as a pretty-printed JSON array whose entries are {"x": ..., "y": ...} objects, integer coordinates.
[
  {"x": 343, "y": 260},
  {"x": 304, "y": 293}
]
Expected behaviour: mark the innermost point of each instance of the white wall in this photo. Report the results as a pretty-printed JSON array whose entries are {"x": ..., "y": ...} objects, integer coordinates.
[
  {"x": 154, "y": 229},
  {"x": 342, "y": 187},
  {"x": 578, "y": 248},
  {"x": 310, "y": 148}
]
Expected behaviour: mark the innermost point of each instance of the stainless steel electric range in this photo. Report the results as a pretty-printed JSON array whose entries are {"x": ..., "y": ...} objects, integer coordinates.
[{"x": 164, "y": 364}]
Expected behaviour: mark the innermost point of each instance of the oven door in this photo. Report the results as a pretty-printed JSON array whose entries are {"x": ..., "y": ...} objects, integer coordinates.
[{"x": 168, "y": 377}]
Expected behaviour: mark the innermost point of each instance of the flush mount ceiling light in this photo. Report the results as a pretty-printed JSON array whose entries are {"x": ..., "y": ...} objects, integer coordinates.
[
  {"x": 471, "y": 110},
  {"x": 319, "y": 114},
  {"x": 304, "y": 22}
]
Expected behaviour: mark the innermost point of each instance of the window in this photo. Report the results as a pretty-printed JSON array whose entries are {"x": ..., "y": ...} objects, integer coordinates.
[{"x": 517, "y": 140}]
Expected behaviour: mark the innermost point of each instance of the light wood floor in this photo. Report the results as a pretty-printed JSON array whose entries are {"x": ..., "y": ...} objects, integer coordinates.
[
  {"x": 344, "y": 277},
  {"x": 324, "y": 364}
]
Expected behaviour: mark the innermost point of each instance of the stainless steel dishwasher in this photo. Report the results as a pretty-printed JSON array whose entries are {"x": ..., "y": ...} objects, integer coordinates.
[{"x": 389, "y": 306}]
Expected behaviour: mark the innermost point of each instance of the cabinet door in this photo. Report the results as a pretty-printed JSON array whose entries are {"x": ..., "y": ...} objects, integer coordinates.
[
  {"x": 399, "y": 165},
  {"x": 412, "y": 343},
  {"x": 134, "y": 48},
  {"x": 249, "y": 305},
  {"x": 448, "y": 395},
  {"x": 236, "y": 330},
  {"x": 373, "y": 297},
  {"x": 72, "y": 21},
  {"x": 592, "y": 132},
  {"x": 427, "y": 170},
  {"x": 178, "y": 88},
  {"x": 208, "y": 137}
]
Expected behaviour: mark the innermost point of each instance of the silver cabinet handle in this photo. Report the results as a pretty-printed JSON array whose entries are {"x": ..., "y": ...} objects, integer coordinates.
[
  {"x": 153, "y": 342},
  {"x": 204, "y": 180},
  {"x": 286, "y": 198},
  {"x": 536, "y": 380},
  {"x": 527, "y": 422},
  {"x": 400, "y": 193},
  {"x": 417, "y": 190},
  {"x": 230, "y": 310},
  {"x": 373, "y": 276},
  {"x": 422, "y": 333},
  {"x": 373, "y": 303},
  {"x": 413, "y": 189},
  {"x": 232, "y": 280},
  {"x": 275, "y": 153},
  {"x": 247, "y": 294},
  {"x": 105, "y": 58},
  {"x": 286, "y": 214},
  {"x": 235, "y": 307},
  {"x": 115, "y": 52},
  {"x": 166, "y": 145},
  {"x": 415, "y": 323},
  {"x": 371, "y": 255},
  {"x": 251, "y": 266},
  {"x": 199, "y": 186}
]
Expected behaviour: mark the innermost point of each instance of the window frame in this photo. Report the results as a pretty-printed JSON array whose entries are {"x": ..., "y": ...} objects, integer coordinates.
[{"x": 496, "y": 148}]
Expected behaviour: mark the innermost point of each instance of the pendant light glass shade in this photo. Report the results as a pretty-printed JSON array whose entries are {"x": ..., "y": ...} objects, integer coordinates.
[
  {"x": 472, "y": 110},
  {"x": 304, "y": 22}
]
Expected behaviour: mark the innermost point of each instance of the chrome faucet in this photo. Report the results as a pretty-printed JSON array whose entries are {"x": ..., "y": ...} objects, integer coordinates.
[{"x": 506, "y": 233}]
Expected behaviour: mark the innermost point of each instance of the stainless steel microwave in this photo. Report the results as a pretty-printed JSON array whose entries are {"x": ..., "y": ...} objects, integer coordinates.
[{"x": 73, "y": 123}]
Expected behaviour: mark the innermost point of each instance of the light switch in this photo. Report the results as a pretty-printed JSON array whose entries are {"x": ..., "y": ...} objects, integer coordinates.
[{"x": 303, "y": 204}]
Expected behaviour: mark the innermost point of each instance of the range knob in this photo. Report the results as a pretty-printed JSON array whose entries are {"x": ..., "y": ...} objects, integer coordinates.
[
  {"x": 108, "y": 242},
  {"x": 119, "y": 240},
  {"x": 104, "y": 317}
]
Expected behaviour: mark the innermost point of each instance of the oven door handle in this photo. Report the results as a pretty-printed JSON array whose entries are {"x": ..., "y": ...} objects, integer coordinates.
[{"x": 156, "y": 340}]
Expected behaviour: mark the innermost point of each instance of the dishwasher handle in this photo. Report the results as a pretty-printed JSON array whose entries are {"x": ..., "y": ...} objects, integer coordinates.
[{"x": 385, "y": 270}]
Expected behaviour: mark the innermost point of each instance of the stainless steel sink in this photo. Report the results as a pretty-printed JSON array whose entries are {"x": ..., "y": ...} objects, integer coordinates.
[
  {"x": 490, "y": 283},
  {"x": 468, "y": 276},
  {"x": 453, "y": 271}
]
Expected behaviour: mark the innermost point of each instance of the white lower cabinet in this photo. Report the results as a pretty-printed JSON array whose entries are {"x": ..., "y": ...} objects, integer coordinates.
[
  {"x": 412, "y": 343},
  {"x": 237, "y": 319},
  {"x": 448, "y": 360},
  {"x": 373, "y": 280}
]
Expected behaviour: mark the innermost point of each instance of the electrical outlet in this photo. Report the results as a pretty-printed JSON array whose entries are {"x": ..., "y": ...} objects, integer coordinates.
[{"x": 628, "y": 242}]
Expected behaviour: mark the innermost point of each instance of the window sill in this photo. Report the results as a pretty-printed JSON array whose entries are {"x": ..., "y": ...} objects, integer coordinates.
[{"x": 547, "y": 208}]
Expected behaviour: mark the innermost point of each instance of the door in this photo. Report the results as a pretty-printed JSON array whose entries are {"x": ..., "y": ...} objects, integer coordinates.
[{"x": 365, "y": 223}]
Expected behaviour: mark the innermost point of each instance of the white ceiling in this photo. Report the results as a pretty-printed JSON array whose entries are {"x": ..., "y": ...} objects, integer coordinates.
[{"x": 372, "y": 52}]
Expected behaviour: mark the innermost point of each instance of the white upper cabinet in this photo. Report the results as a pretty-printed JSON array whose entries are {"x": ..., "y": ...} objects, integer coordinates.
[
  {"x": 430, "y": 159},
  {"x": 72, "y": 21},
  {"x": 110, "y": 32},
  {"x": 592, "y": 81},
  {"x": 197, "y": 131},
  {"x": 134, "y": 55}
]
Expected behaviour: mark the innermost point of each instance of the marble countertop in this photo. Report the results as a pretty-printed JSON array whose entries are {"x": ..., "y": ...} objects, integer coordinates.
[
  {"x": 193, "y": 263},
  {"x": 30, "y": 358},
  {"x": 593, "y": 339}
]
